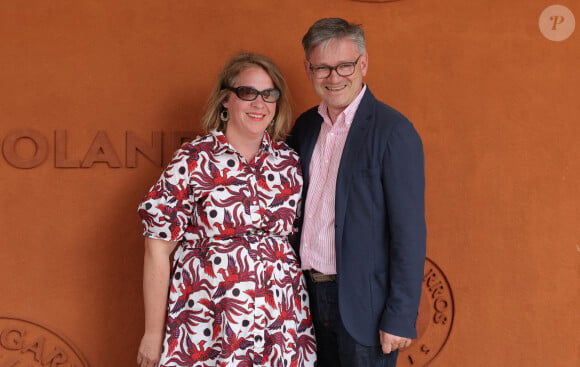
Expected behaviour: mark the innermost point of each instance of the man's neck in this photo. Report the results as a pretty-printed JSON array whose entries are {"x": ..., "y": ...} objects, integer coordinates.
[{"x": 333, "y": 113}]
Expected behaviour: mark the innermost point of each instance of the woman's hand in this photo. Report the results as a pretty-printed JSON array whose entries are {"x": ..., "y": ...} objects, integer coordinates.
[{"x": 149, "y": 350}]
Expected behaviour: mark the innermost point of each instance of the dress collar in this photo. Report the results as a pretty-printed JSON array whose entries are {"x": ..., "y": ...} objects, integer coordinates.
[{"x": 222, "y": 146}]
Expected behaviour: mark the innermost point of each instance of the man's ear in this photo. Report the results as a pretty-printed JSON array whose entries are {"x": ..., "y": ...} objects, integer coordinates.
[
  {"x": 307, "y": 69},
  {"x": 364, "y": 64}
]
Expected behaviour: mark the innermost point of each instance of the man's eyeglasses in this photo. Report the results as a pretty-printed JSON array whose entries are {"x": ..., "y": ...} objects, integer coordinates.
[
  {"x": 271, "y": 95},
  {"x": 344, "y": 69}
]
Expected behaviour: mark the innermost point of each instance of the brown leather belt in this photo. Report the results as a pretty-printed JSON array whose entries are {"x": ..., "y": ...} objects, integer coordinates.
[{"x": 318, "y": 277}]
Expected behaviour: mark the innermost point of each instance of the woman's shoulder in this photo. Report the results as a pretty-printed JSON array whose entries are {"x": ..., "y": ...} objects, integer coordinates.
[
  {"x": 191, "y": 151},
  {"x": 200, "y": 143},
  {"x": 283, "y": 149}
]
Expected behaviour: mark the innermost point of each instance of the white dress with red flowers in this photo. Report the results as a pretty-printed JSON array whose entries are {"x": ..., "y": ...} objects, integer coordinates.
[{"x": 237, "y": 295}]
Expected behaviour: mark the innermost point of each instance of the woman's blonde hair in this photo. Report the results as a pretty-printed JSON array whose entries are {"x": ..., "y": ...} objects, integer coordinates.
[{"x": 279, "y": 128}]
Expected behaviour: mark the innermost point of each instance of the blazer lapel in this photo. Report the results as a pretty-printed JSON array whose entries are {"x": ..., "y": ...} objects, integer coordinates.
[{"x": 355, "y": 141}]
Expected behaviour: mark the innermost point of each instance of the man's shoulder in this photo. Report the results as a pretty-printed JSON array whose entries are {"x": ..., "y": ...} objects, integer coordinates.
[
  {"x": 381, "y": 109},
  {"x": 310, "y": 114},
  {"x": 306, "y": 122},
  {"x": 387, "y": 119}
]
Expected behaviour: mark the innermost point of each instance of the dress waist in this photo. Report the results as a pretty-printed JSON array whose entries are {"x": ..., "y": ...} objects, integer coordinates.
[{"x": 246, "y": 237}]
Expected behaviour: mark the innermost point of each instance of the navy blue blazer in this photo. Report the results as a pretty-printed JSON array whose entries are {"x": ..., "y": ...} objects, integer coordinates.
[{"x": 379, "y": 218}]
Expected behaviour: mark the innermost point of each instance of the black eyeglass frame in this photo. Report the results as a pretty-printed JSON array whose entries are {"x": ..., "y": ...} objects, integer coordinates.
[
  {"x": 335, "y": 68},
  {"x": 260, "y": 93}
]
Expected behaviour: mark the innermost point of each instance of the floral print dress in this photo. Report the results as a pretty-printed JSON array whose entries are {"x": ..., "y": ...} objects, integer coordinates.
[{"x": 237, "y": 295}]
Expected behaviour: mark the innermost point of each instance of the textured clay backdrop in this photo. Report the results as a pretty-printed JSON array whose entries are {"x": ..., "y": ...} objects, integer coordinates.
[{"x": 495, "y": 101}]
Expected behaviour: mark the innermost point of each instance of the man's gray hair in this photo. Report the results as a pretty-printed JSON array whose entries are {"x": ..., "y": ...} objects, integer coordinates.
[{"x": 327, "y": 30}]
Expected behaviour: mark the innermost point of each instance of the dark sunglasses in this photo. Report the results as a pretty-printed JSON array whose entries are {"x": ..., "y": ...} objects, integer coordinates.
[{"x": 271, "y": 95}]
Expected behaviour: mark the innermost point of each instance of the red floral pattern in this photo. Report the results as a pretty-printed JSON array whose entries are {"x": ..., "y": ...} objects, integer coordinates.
[{"x": 237, "y": 296}]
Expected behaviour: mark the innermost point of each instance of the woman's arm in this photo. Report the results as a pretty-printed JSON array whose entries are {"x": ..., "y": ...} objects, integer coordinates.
[{"x": 156, "y": 272}]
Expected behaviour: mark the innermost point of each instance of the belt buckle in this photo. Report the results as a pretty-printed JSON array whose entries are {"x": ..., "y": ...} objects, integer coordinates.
[{"x": 319, "y": 277}]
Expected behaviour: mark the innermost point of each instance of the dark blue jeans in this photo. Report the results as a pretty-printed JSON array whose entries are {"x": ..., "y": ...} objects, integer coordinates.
[{"x": 335, "y": 347}]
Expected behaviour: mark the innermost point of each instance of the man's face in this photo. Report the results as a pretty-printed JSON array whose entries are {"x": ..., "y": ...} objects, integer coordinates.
[{"x": 337, "y": 91}]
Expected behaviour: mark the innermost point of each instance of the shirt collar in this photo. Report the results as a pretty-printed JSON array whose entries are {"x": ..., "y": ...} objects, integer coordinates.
[{"x": 266, "y": 144}]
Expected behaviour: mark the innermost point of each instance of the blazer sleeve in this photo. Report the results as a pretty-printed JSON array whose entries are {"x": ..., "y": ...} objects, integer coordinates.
[{"x": 404, "y": 190}]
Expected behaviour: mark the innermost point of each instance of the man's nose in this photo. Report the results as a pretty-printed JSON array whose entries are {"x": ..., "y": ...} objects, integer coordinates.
[{"x": 334, "y": 75}]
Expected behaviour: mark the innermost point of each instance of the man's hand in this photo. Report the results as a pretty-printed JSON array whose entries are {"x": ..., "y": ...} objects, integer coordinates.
[{"x": 390, "y": 342}]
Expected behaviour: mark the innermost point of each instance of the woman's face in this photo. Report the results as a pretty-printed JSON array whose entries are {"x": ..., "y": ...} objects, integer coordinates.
[{"x": 249, "y": 119}]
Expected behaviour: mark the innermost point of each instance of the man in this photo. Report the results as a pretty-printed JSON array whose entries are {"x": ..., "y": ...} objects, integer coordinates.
[{"x": 362, "y": 240}]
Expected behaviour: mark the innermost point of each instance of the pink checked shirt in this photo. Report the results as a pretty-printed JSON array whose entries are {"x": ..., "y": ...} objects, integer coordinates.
[{"x": 317, "y": 249}]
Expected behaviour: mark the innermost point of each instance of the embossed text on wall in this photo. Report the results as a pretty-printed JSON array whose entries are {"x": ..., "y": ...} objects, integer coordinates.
[
  {"x": 436, "y": 314},
  {"x": 24, "y": 343},
  {"x": 158, "y": 149}
]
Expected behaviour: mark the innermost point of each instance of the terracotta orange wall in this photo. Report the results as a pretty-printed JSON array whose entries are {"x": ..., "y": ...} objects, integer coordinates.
[{"x": 495, "y": 102}]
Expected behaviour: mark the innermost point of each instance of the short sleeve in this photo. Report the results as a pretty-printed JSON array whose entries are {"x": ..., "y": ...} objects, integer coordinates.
[{"x": 166, "y": 209}]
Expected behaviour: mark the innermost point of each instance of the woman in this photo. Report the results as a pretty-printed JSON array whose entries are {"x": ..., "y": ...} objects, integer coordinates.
[{"x": 228, "y": 202}]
